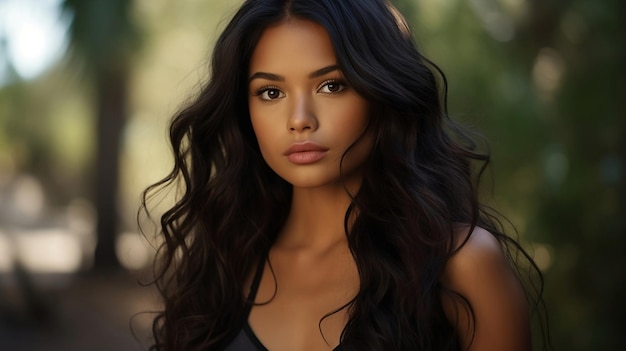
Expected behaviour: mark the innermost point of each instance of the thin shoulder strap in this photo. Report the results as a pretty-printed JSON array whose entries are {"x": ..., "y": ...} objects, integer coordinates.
[{"x": 256, "y": 281}]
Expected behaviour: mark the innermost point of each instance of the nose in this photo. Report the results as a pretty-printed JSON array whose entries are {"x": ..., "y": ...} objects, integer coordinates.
[{"x": 302, "y": 117}]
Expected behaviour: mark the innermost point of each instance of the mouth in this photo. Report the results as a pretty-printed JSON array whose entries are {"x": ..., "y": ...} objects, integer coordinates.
[{"x": 305, "y": 153}]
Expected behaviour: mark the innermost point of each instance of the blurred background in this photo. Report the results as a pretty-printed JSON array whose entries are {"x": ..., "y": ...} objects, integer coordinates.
[{"x": 87, "y": 88}]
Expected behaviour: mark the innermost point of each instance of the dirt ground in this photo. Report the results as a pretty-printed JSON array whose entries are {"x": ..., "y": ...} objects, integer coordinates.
[{"x": 76, "y": 313}]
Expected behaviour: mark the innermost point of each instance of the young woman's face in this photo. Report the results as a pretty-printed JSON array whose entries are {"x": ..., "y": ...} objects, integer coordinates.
[{"x": 304, "y": 114}]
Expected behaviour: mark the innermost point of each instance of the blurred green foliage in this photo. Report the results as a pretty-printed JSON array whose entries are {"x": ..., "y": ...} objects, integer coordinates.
[{"x": 543, "y": 80}]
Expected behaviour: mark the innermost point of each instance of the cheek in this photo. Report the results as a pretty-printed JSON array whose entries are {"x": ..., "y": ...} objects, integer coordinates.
[
  {"x": 259, "y": 124},
  {"x": 258, "y": 119},
  {"x": 350, "y": 120},
  {"x": 264, "y": 134}
]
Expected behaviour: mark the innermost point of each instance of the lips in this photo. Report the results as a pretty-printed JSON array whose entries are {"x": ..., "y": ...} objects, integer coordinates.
[{"x": 305, "y": 152}]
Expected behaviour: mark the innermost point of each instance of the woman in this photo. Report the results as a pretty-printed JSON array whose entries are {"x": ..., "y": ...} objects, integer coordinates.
[{"x": 328, "y": 200}]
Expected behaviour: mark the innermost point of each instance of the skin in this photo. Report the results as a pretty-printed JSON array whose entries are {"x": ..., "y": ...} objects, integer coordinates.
[
  {"x": 480, "y": 272},
  {"x": 295, "y": 95}
]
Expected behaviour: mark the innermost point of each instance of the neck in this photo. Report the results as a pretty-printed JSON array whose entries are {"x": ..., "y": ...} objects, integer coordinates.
[{"x": 316, "y": 219}]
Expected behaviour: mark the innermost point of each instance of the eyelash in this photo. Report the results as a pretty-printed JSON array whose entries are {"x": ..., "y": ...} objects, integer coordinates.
[
  {"x": 336, "y": 81},
  {"x": 267, "y": 88}
]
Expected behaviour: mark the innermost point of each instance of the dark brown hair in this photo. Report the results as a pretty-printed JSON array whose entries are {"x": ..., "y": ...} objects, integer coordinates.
[{"x": 419, "y": 180}]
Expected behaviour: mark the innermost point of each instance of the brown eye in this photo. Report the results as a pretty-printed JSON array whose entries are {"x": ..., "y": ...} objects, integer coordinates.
[
  {"x": 332, "y": 87},
  {"x": 273, "y": 94},
  {"x": 269, "y": 94}
]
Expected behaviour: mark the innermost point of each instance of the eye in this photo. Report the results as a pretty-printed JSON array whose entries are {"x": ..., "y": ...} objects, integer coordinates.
[
  {"x": 270, "y": 93},
  {"x": 332, "y": 86}
]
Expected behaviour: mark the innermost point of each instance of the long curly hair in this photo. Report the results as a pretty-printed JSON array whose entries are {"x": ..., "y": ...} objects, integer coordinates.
[{"x": 419, "y": 180}]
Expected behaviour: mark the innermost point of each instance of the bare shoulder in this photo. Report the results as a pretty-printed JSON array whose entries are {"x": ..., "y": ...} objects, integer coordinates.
[
  {"x": 480, "y": 272},
  {"x": 475, "y": 252}
]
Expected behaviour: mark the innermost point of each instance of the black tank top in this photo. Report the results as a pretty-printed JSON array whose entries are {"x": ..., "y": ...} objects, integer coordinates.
[{"x": 246, "y": 340}]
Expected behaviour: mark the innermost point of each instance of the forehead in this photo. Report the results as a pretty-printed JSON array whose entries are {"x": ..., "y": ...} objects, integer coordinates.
[{"x": 292, "y": 45}]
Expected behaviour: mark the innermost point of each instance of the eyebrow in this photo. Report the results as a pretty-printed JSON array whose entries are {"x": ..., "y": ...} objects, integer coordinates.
[{"x": 279, "y": 78}]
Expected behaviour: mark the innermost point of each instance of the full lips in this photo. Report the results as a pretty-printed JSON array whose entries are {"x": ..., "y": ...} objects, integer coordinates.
[
  {"x": 305, "y": 152},
  {"x": 306, "y": 157}
]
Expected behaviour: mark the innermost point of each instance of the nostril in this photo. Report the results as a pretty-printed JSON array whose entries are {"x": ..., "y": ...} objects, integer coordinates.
[{"x": 300, "y": 128}]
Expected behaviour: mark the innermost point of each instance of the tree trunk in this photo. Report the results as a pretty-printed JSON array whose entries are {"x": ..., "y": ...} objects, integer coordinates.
[{"x": 111, "y": 100}]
